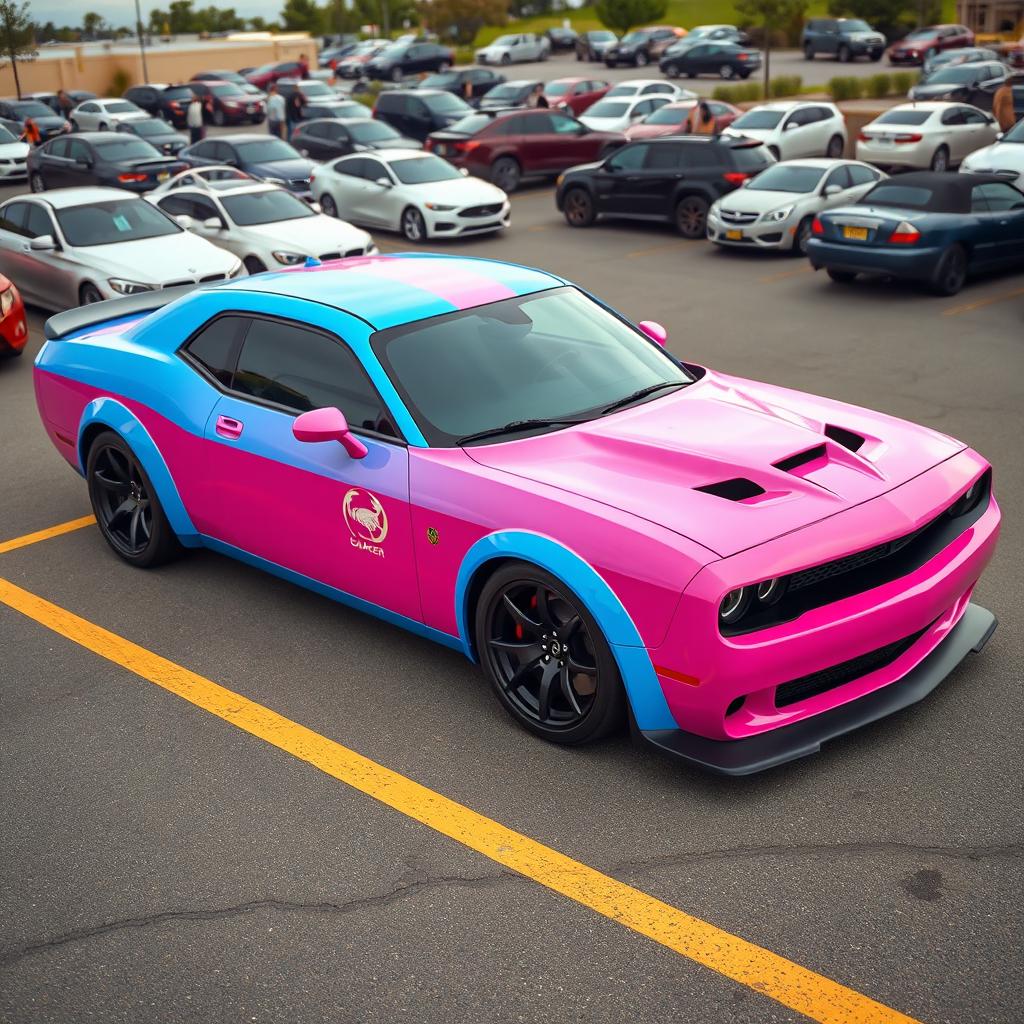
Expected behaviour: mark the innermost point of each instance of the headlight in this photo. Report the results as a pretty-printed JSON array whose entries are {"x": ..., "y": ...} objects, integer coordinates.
[
  {"x": 780, "y": 214},
  {"x": 128, "y": 287},
  {"x": 739, "y": 602},
  {"x": 372, "y": 250},
  {"x": 439, "y": 207},
  {"x": 734, "y": 605},
  {"x": 7, "y": 297},
  {"x": 274, "y": 181},
  {"x": 967, "y": 500},
  {"x": 289, "y": 259}
]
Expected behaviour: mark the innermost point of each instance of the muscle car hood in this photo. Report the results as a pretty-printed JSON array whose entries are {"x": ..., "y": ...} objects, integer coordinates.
[{"x": 726, "y": 462}]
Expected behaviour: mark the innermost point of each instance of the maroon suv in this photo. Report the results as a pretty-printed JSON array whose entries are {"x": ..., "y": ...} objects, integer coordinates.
[
  {"x": 507, "y": 146},
  {"x": 923, "y": 43}
]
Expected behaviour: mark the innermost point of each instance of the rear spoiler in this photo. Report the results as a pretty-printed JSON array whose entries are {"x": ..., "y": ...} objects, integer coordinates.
[{"x": 96, "y": 313}]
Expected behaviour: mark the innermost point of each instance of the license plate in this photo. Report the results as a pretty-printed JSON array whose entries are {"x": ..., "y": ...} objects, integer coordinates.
[
  {"x": 860, "y": 234},
  {"x": 734, "y": 235},
  {"x": 442, "y": 150},
  {"x": 250, "y": 109},
  {"x": 163, "y": 175}
]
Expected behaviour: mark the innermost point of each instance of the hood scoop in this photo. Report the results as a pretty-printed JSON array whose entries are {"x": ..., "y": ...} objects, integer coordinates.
[
  {"x": 792, "y": 463},
  {"x": 847, "y": 438},
  {"x": 737, "y": 489}
]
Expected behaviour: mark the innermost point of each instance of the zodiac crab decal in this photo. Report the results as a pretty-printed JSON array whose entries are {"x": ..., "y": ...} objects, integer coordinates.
[{"x": 366, "y": 519}]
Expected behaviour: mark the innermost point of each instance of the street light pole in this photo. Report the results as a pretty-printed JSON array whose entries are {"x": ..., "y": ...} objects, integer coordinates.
[{"x": 142, "y": 42}]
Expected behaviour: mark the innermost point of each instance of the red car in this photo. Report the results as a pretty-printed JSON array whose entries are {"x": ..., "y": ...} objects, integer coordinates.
[
  {"x": 924, "y": 42},
  {"x": 262, "y": 76},
  {"x": 575, "y": 94},
  {"x": 13, "y": 328},
  {"x": 226, "y": 103},
  {"x": 671, "y": 119},
  {"x": 507, "y": 146}
]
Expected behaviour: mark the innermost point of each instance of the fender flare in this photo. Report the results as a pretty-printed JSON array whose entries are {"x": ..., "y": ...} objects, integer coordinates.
[
  {"x": 638, "y": 676},
  {"x": 111, "y": 413}
]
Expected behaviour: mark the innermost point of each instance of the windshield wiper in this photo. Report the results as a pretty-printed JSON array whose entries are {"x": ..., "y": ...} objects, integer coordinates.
[
  {"x": 516, "y": 425},
  {"x": 643, "y": 393}
]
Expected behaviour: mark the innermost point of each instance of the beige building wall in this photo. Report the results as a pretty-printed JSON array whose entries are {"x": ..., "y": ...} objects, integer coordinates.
[
  {"x": 991, "y": 17},
  {"x": 84, "y": 68}
]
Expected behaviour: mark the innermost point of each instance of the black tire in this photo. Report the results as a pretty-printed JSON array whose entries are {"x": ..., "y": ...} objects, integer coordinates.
[
  {"x": 641, "y": 60},
  {"x": 328, "y": 205},
  {"x": 578, "y": 208},
  {"x": 840, "y": 276},
  {"x": 36, "y": 183},
  {"x": 835, "y": 147},
  {"x": 726, "y": 71},
  {"x": 672, "y": 70},
  {"x": 940, "y": 159},
  {"x": 414, "y": 227},
  {"x": 876, "y": 57},
  {"x": 691, "y": 216},
  {"x": 524, "y": 616},
  {"x": 218, "y": 117},
  {"x": 74, "y": 125},
  {"x": 774, "y": 150},
  {"x": 396, "y": 74},
  {"x": 88, "y": 294},
  {"x": 808, "y": 52},
  {"x": 126, "y": 506},
  {"x": 103, "y": 127},
  {"x": 950, "y": 272},
  {"x": 844, "y": 54},
  {"x": 506, "y": 173},
  {"x": 506, "y": 59},
  {"x": 253, "y": 265},
  {"x": 10, "y": 353},
  {"x": 802, "y": 236}
]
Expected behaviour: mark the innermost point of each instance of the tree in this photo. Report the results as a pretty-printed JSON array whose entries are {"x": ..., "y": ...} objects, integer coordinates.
[
  {"x": 890, "y": 17},
  {"x": 772, "y": 15},
  {"x": 339, "y": 18},
  {"x": 94, "y": 25},
  {"x": 17, "y": 40},
  {"x": 181, "y": 17},
  {"x": 385, "y": 13},
  {"x": 259, "y": 25},
  {"x": 460, "y": 20},
  {"x": 622, "y": 15},
  {"x": 302, "y": 16}
]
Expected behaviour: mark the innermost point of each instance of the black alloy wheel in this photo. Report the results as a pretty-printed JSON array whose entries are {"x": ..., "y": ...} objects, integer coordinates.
[
  {"x": 692, "y": 217},
  {"x": 36, "y": 183},
  {"x": 328, "y": 205},
  {"x": 88, "y": 294},
  {"x": 725, "y": 71},
  {"x": 951, "y": 271},
  {"x": 803, "y": 236},
  {"x": 506, "y": 173},
  {"x": 578, "y": 208},
  {"x": 546, "y": 658},
  {"x": 125, "y": 504},
  {"x": 672, "y": 70},
  {"x": 844, "y": 54},
  {"x": 835, "y": 147}
]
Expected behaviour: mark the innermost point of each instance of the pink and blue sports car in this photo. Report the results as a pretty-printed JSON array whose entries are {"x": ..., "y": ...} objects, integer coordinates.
[{"x": 489, "y": 456}]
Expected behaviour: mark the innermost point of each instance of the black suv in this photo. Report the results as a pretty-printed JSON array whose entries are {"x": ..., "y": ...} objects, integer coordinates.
[
  {"x": 843, "y": 38},
  {"x": 167, "y": 101},
  {"x": 673, "y": 179},
  {"x": 417, "y": 113}
]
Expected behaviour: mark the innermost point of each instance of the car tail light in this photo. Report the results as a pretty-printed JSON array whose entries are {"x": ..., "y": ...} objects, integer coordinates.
[
  {"x": 741, "y": 56},
  {"x": 312, "y": 177},
  {"x": 817, "y": 228},
  {"x": 466, "y": 147},
  {"x": 175, "y": 105},
  {"x": 905, "y": 234},
  {"x": 735, "y": 177},
  {"x": 428, "y": 145},
  {"x": 134, "y": 176},
  {"x": 907, "y": 137},
  {"x": 864, "y": 137}
]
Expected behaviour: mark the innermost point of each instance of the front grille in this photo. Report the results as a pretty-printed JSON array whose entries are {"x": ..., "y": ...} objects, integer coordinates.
[
  {"x": 817, "y": 683},
  {"x": 820, "y": 573},
  {"x": 324, "y": 256},
  {"x": 736, "y": 217},
  {"x": 481, "y": 211},
  {"x": 213, "y": 277},
  {"x": 355, "y": 252},
  {"x": 300, "y": 184},
  {"x": 179, "y": 284}
]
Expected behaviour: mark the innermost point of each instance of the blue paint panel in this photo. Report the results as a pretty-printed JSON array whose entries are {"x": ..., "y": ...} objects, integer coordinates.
[
  {"x": 642, "y": 686},
  {"x": 113, "y": 414},
  {"x": 419, "y": 628}
]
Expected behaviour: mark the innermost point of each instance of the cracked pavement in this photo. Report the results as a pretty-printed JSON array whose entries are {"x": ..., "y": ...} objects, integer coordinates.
[{"x": 157, "y": 865}]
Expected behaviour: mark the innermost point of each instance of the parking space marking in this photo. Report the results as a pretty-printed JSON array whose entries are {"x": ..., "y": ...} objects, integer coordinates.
[
  {"x": 785, "y": 275},
  {"x": 53, "y": 531},
  {"x": 668, "y": 246},
  {"x": 796, "y": 987},
  {"x": 991, "y": 301}
]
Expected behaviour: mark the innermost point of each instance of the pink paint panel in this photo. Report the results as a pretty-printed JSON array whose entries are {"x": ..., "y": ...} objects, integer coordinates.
[{"x": 461, "y": 288}]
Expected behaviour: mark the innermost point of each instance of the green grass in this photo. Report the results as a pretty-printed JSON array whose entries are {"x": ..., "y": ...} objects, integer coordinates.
[{"x": 686, "y": 13}]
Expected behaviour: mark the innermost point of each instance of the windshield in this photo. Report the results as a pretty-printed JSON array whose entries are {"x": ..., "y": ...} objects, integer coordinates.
[
  {"x": 508, "y": 91},
  {"x": 759, "y": 119},
  {"x": 371, "y": 131},
  {"x": 442, "y": 81},
  {"x": 266, "y": 151},
  {"x": 122, "y": 220},
  {"x": 897, "y": 116},
  {"x": 633, "y": 37},
  {"x": 32, "y": 109},
  {"x": 127, "y": 149},
  {"x": 607, "y": 108},
  {"x": 392, "y": 52},
  {"x": 227, "y": 89},
  {"x": 316, "y": 89},
  {"x": 960, "y": 73},
  {"x": 265, "y": 207},
  {"x": 419, "y": 170},
  {"x": 1015, "y": 134},
  {"x": 349, "y": 108},
  {"x": 446, "y": 103},
  {"x": 470, "y": 125},
  {"x": 152, "y": 127},
  {"x": 600, "y": 36},
  {"x": 177, "y": 92},
  {"x": 623, "y": 90},
  {"x": 698, "y": 33},
  {"x": 558, "y": 88},
  {"x": 6, "y": 137},
  {"x": 505, "y": 41},
  {"x": 669, "y": 114},
  {"x": 122, "y": 107},
  {"x": 787, "y": 178},
  {"x": 922, "y": 33},
  {"x": 856, "y": 25},
  {"x": 551, "y": 355}
]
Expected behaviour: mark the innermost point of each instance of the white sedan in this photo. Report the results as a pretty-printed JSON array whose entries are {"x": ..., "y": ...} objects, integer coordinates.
[
  {"x": 648, "y": 87},
  {"x": 775, "y": 209},
  {"x": 620, "y": 113},
  {"x": 103, "y": 115},
  {"x": 263, "y": 224},
  {"x": 925, "y": 136},
  {"x": 13, "y": 157},
  {"x": 794, "y": 128},
  {"x": 513, "y": 49},
  {"x": 72, "y": 246},
  {"x": 410, "y": 191},
  {"x": 1005, "y": 158}
]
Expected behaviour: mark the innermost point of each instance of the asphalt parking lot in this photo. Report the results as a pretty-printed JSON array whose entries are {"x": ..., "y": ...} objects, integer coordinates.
[{"x": 158, "y": 863}]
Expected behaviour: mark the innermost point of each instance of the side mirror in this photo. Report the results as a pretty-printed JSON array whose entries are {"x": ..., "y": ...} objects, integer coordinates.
[
  {"x": 316, "y": 207},
  {"x": 789, "y": 126},
  {"x": 831, "y": 190},
  {"x": 183, "y": 220},
  {"x": 654, "y": 331},
  {"x": 328, "y": 424},
  {"x": 464, "y": 172},
  {"x": 383, "y": 182},
  {"x": 213, "y": 223},
  {"x": 42, "y": 243},
  {"x": 999, "y": 135}
]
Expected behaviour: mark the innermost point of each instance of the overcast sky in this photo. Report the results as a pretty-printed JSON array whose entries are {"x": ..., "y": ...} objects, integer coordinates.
[{"x": 122, "y": 12}]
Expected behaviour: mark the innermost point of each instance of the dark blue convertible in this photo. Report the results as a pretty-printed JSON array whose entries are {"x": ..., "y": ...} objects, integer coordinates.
[{"x": 931, "y": 227}]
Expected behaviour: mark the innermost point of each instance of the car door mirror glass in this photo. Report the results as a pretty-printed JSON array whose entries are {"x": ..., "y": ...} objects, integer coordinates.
[
  {"x": 329, "y": 424},
  {"x": 654, "y": 331},
  {"x": 42, "y": 243}
]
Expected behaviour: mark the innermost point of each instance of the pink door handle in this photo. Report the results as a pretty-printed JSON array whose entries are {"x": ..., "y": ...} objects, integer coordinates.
[{"x": 229, "y": 428}]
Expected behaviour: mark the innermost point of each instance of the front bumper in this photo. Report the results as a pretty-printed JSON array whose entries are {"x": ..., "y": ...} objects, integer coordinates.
[
  {"x": 755, "y": 235},
  {"x": 910, "y": 264},
  {"x": 906, "y": 58},
  {"x": 444, "y": 224},
  {"x": 769, "y": 749}
]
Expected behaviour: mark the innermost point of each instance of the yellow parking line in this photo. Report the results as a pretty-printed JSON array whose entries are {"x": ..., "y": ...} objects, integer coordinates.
[
  {"x": 788, "y": 983},
  {"x": 53, "y": 531},
  {"x": 784, "y": 274},
  {"x": 967, "y": 307}
]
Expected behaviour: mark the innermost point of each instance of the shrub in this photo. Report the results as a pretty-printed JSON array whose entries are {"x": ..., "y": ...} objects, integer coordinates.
[
  {"x": 747, "y": 92},
  {"x": 119, "y": 82},
  {"x": 902, "y": 82},
  {"x": 785, "y": 85},
  {"x": 878, "y": 86},
  {"x": 848, "y": 88},
  {"x": 369, "y": 95}
]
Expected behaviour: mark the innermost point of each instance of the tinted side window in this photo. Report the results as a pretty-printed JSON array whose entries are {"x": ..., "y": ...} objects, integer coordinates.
[
  {"x": 353, "y": 168},
  {"x": 37, "y": 222},
  {"x": 58, "y": 148},
  {"x": 303, "y": 370},
  {"x": 996, "y": 198},
  {"x": 13, "y": 218},
  {"x": 374, "y": 169},
  {"x": 954, "y": 116},
  {"x": 696, "y": 154},
  {"x": 663, "y": 158},
  {"x": 840, "y": 176},
  {"x": 862, "y": 175},
  {"x": 629, "y": 158},
  {"x": 77, "y": 150},
  {"x": 215, "y": 348},
  {"x": 537, "y": 124}
]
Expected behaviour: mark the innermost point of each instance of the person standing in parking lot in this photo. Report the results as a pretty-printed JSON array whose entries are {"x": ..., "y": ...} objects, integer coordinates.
[
  {"x": 31, "y": 134},
  {"x": 1002, "y": 106},
  {"x": 303, "y": 66},
  {"x": 537, "y": 97},
  {"x": 194, "y": 119},
  {"x": 700, "y": 120},
  {"x": 65, "y": 104},
  {"x": 276, "y": 113},
  {"x": 293, "y": 109}
]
